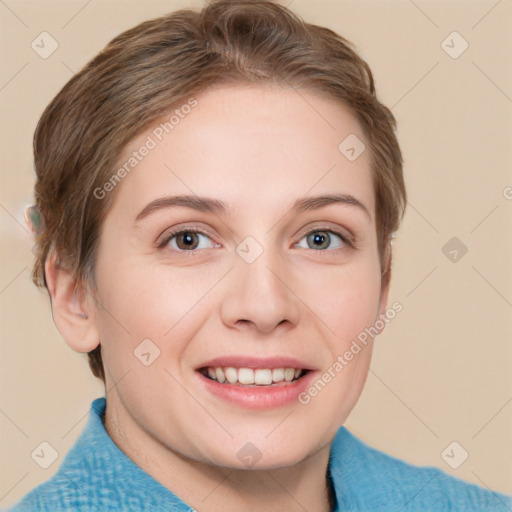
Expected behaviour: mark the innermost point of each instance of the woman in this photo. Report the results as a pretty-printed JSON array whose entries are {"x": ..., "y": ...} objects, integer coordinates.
[{"x": 216, "y": 196}]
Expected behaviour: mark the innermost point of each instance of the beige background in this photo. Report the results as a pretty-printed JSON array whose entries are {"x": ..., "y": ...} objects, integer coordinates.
[{"x": 442, "y": 369}]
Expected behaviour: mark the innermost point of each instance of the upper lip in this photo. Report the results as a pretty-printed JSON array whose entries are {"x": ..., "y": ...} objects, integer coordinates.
[{"x": 241, "y": 361}]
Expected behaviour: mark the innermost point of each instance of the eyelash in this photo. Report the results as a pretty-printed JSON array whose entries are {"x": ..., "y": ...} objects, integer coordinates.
[{"x": 164, "y": 243}]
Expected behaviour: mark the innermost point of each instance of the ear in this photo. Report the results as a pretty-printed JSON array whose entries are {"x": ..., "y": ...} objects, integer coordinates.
[
  {"x": 384, "y": 287},
  {"x": 71, "y": 307}
]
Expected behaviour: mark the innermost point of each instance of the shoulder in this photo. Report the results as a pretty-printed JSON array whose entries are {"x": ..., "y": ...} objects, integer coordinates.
[
  {"x": 96, "y": 475},
  {"x": 56, "y": 494},
  {"x": 368, "y": 479},
  {"x": 81, "y": 473}
]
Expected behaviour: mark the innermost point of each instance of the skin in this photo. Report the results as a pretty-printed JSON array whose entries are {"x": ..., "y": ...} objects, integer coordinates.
[{"x": 258, "y": 149}]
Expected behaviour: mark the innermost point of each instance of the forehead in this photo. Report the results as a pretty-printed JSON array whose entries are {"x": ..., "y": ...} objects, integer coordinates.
[{"x": 249, "y": 146}]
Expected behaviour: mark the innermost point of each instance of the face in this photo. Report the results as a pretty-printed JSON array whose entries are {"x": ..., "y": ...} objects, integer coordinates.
[{"x": 247, "y": 277}]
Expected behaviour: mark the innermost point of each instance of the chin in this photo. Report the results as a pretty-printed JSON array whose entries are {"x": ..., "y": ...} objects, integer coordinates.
[{"x": 258, "y": 453}]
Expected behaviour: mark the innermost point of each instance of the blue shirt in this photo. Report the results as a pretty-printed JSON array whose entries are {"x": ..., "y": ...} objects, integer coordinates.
[{"x": 97, "y": 476}]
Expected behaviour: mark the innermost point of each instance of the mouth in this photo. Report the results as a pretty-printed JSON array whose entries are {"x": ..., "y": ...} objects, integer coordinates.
[
  {"x": 253, "y": 377},
  {"x": 258, "y": 383}
]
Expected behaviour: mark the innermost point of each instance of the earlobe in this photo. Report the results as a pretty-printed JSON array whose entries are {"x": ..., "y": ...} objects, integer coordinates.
[
  {"x": 71, "y": 307},
  {"x": 384, "y": 288}
]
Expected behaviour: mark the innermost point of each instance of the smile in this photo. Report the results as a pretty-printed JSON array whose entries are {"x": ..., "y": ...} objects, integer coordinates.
[{"x": 253, "y": 376}]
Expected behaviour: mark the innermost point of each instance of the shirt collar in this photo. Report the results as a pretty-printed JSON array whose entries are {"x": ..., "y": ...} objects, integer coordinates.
[{"x": 105, "y": 474}]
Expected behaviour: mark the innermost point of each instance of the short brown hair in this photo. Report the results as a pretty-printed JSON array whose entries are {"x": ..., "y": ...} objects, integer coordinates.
[{"x": 150, "y": 69}]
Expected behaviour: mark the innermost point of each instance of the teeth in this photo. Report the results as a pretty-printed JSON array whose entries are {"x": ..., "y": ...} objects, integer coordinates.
[
  {"x": 219, "y": 372},
  {"x": 289, "y": 374},
  {"x": 248, "y": 376},
  {"x": 278, "y": 374},
  {"x": 263, "y": 377},
  {"x": 230, "y": 373}
]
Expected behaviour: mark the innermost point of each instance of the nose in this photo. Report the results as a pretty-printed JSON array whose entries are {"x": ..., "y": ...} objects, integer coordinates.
[{"x": 259, "y": 296}]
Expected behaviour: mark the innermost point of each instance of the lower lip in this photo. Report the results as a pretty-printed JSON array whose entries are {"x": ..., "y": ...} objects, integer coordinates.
[{"x": 257, "y": 397}]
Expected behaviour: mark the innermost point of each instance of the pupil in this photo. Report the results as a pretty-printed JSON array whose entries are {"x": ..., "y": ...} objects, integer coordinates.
[
  {"x": 188, "y": 240},
  {"x": 320, "y": 239}
]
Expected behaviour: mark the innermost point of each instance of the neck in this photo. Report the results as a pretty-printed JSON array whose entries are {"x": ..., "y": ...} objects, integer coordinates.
[{"x": 208, "y": 488}]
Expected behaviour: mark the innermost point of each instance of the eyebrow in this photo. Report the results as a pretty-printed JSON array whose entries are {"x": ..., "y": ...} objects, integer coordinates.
[{"x": 215, "y": 206}]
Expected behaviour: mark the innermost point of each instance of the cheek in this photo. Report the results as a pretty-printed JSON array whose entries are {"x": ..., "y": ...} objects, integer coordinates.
[
  {"x": 348, "y": 305},
  {"x": 146, "y": 299},
  {"x": 149, "y": 302},
  {"x": 345, "y": 300}
]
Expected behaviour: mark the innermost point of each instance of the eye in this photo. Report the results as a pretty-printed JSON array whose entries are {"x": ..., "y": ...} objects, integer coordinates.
[
  {"x": 323, "y": 239},
  {"x": 186, "y": 240}
]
